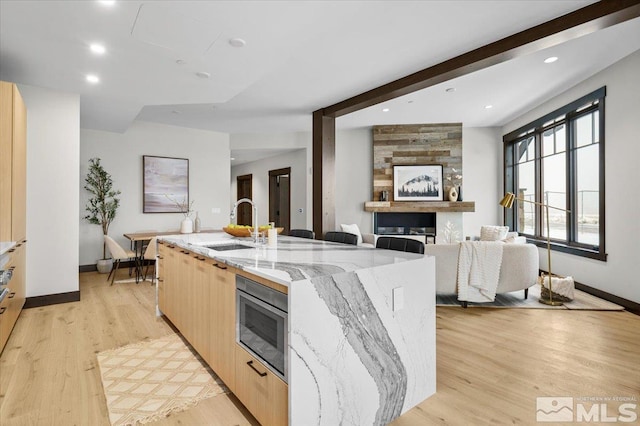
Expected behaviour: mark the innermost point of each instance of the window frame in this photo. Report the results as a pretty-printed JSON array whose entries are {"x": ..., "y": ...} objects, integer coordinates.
[{"x": 566, "y": 115}]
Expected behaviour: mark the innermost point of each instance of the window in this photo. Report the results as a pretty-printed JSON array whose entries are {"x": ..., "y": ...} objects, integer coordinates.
[{"x": 558, "y": 160}]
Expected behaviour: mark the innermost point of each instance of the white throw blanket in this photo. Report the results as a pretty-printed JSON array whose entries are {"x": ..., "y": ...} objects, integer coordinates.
[{"x": 479, "y": 270}]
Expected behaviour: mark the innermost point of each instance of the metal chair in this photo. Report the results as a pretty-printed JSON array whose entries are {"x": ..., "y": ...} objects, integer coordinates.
[
  {"x": 302, "y": 233},
  {"x": 118, "y": 254},
  {"x": 150, "y": 256},
  {"x": 400, "y": 244},
  {"x": 341, "y": 237}
]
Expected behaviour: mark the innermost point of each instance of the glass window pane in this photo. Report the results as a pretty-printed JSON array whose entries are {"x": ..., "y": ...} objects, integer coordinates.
[
  {"x": 561, "y": 138},
  {"x": 526, "y": 150},
  {"x": 508, "y": 154},
  {"x": 554, "y": 194},
  {"x": 548, "y": 142},
  {"x": 526, "y": 190},
  {"x": 588, "y": 195},
  {"x": 596, "y": 126},
  {"x": 584, "y": 131}
]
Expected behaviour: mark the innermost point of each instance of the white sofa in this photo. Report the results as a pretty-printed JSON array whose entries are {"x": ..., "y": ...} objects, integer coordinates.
[{"x": 518, "y": 271}]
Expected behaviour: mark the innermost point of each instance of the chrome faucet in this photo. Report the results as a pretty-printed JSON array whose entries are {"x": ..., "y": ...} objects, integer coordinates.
[{"x": 255, "y": 215}]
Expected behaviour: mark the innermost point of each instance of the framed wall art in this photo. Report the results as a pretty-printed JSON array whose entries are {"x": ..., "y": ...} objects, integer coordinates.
[
  {"x": 418, "y": 183},
  {"x": 165, "y": 184}
]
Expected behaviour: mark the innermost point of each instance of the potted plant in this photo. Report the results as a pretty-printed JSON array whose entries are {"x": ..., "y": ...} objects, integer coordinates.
[{"x": 102, "y": 205}]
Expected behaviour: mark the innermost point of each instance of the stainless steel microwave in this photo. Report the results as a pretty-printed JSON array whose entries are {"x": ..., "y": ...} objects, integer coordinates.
[{"x": 261, "y": 324}]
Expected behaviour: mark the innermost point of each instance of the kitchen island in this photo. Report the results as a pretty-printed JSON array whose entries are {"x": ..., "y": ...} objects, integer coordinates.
[{"x": 361, "y": 324}]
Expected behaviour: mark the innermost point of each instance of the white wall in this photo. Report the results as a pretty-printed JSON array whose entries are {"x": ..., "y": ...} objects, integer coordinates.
[
  {"x": 619, "y": 274},
  {"x": 354, "y": 178},
  {"x": 482, "y": 176},
  {"x": 259, "y": 170},
  {"x": 121, "y": 155},
  {"x": 293, "y": 141},
  {"x": 53, "y": 149}
]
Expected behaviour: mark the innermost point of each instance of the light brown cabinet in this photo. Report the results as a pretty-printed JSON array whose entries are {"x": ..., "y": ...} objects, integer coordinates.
[
  {"x": 198, "y": 290},
  {"x": 263, "y": 393},
  {"x": 13, "y": 199},
  {"x": 198, "y": 295},
  {"x": 161, "y": 279},
  {"x": 167, "y": 282},
  {"x": 222, "y": 318}
]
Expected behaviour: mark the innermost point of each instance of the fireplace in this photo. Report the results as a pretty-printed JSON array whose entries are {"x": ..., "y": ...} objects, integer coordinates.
[{"x": 405, "y": 224}]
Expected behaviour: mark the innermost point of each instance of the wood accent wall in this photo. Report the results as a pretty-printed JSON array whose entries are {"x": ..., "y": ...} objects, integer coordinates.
[{"x": 415, "y": 144}]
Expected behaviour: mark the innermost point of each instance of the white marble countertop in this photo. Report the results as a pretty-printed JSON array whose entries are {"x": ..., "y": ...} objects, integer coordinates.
[
  {"x": 292, "y": 258},
  {"x": 5, "y": 246},
  {"x": 361, "y": 324}
]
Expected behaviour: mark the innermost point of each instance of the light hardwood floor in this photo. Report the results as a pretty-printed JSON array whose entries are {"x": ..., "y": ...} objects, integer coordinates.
[{"x": 491, "y": 363}]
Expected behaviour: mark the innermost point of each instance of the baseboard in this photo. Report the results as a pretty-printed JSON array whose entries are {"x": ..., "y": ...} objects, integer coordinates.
[
  {"x": 51, "y": 299},
  {"x": 629, "y": 305},
  {"x": 87, "y": 268},
  {"x": 93, "y": 268}
]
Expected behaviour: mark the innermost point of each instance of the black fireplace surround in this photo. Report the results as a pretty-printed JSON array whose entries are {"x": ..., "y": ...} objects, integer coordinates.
[{"x": 404, "y": 224}]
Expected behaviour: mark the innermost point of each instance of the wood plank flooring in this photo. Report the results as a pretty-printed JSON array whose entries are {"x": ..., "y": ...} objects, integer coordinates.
[{"x": 491, "y": 363}]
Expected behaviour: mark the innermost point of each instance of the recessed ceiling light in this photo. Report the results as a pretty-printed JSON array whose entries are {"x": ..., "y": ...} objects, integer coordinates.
[
  {"x": 550, "y": 59},
  {"x": 237, "y": 42},
  {"x": 98, "y": 49},
  {"x": 488, "y": 106},
  {"x": 180, "y": 61},
  {"x": 450, "y": 89},
  {"x": 203, "y": 74},
  {"x": 107, "y": 2},
  {"x": 409, "y": 102},
  {"x": 91, "y": 78},
  {"x": 175, "y": 111},
  {"x": 232, "y": 158},
  {"x": 385, "y": 109}
]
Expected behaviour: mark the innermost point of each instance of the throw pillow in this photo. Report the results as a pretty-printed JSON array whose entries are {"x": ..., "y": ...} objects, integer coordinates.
[
  {"x": 493, "y": 233},
  {"x": 352, "y": 229},
  {"x": 513, "y": 238}
]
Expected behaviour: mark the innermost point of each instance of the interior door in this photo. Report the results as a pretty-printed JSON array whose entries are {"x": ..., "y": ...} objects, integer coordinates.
[
  {"x": 245, "y": 190},
  {"x": 280, "y": 198}
]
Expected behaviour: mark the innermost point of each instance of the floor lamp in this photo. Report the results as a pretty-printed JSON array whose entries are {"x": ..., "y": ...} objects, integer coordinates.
[{"x": 507, "y": 202}]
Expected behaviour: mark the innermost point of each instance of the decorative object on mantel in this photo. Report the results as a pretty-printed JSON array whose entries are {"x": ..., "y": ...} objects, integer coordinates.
[
  {"x": 453, "y": 194},
  {"x": 418, "y": 183},
  {"x": 186, "y": 208},
  {"x": 102, "y": 206},
  {"x": 455, "y": 180},
  {"x": 507, "y": 202},
  {"x": 384, "y": 195}
]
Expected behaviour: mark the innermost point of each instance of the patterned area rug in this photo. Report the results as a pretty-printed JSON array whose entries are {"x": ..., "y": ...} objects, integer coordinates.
[
  {"x": 581, "y": 301},
  {"x": 147, "y": 381}
]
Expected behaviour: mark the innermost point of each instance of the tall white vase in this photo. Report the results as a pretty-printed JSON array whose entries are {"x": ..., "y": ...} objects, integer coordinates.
[{"x": 186, "y": 226}]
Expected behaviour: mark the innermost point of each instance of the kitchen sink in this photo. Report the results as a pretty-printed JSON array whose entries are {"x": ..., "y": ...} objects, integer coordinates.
[{"x": 225, "y": 247}]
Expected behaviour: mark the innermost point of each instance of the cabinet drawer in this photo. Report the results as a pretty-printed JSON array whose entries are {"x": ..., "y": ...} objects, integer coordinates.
[
  {"x": 263, "y": 393},
  {"x": 6, "y": 323}
]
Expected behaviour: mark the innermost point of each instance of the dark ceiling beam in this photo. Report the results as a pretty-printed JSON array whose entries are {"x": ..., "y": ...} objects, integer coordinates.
[
  {"x": 576, "y": 24},
  {"x": 581, "y": 22}
]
